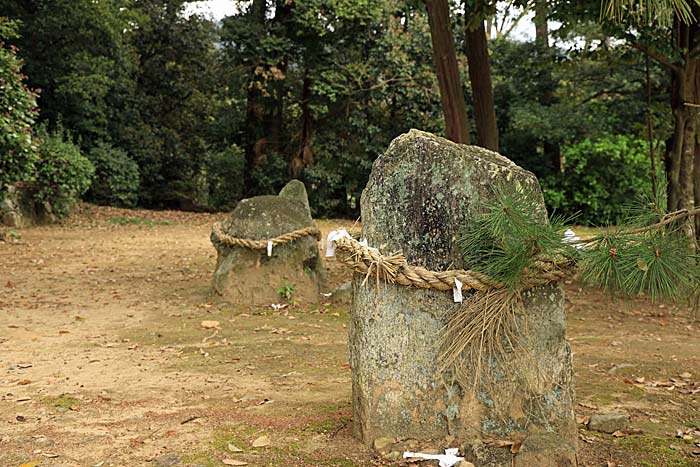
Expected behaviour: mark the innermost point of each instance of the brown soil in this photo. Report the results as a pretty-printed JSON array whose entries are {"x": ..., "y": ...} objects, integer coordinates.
[{"x": 105, "y": 361}]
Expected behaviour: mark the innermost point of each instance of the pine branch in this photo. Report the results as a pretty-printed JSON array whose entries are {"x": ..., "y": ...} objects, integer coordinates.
[{"x": 667, "y": 219}]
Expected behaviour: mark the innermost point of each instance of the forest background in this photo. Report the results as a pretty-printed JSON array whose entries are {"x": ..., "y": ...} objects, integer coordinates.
[{"x": 136, "y": 103}]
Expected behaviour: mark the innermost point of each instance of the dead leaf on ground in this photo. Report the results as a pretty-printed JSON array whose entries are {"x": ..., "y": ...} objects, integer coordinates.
[
  {"x": 234, "y": 462},
  {"x": 30, "y": 464},
  {"x": 514, "y": 445},
  {"x": 207, "y": 324},
  {"x": 261, "y": 442},
  {"x": 234, "y": 448}
]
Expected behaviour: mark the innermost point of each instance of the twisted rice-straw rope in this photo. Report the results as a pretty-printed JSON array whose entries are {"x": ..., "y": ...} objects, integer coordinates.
[
  {"x": 394, "y": 269},
  {"x": 219, "y": 236}
]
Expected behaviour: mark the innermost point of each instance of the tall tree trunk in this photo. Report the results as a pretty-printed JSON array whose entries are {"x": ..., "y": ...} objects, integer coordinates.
[
  {"x": 682, "y": 168},
  {"x": 254, "y": 141},
  {"x": 445, "y": 57},
  {"x": 304, "y": 155},
  {"x": 541, "y": 28},
  {"x": 482, "y": 90}
]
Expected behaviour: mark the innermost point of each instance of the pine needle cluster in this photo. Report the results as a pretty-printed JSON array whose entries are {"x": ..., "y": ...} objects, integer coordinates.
[
  {"x": 510, "y": 236},
  {"x": 652, "y": 253}
]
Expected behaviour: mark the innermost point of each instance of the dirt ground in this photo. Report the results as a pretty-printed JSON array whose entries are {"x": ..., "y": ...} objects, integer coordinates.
[{"x": 107, "y": 359}]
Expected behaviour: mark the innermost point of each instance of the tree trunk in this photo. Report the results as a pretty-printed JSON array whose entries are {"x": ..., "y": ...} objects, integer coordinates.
[
  {"x": 682, "y": 153},
  {"x": 254, "y": 141},
  {"x": 304, "y": 156},
  {"x": 482, "y": 90},
  {"x": 541, "y": 28},
  {"x": 445, "y": 57}
]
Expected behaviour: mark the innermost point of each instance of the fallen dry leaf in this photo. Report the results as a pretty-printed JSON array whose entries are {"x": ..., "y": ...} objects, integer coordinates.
[
  {"x": 234, "y": 462},
  {"x": 261, "y": 442},
  {"x": 514, "y": 445},
  {"x": 234, "y": 448},
  {"x": 686, "y": 375},
  {"x": 206, "y": 324},
  {"x": 30, "y": 464}
]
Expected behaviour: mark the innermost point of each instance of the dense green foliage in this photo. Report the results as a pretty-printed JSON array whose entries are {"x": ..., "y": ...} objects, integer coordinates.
[
  {"x": 600, "y": 178},
  {"x": 225, "y": 182},
  {"x": 116, "y": 181},
  {"x": 62, "y": 172},
  {"x": 176, "y": 111},
  {"x": 17, "y": 114}
]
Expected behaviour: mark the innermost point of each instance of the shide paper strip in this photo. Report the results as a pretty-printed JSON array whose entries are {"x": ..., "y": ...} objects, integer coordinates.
[{"x": 448, "y": 459}]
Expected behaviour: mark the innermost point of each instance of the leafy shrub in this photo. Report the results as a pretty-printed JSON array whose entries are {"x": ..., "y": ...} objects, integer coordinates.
[
  {"x": 116, "y": 180},
  {"x": 63, "y": 173},
  {"x": 18, "y": 103},
  {"x": 225, "y": 177},
  {"x": 271, "y": 175},
  {"x": 600, "y": 178}
]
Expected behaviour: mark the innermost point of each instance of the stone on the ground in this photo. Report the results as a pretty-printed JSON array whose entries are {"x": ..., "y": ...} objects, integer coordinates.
[
  {"x": 380, "y": 444},
  {"x": 342, "y": 295},
  {"x": 421, "y": 194},
  {"x": 168, "y": 460},
  {"x": 294, "y": 271},
  {"x": 608, "y": 422}
]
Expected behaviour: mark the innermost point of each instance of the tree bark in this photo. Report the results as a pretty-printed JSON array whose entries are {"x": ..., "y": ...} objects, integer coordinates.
[
  {"x": 681, "y": 154},
  {"x": 482, "y": 89},
  {"x": 541, "y": 28},
  {"x": 445, "y": 57},
  {"x": 304, "y": 155},
  {"x": 254, "y": 140}
]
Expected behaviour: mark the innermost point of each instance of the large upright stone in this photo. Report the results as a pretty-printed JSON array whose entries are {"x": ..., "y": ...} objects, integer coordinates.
[
  {"x": 421, "y": 194},
  {"x": 249, "y": 277}
]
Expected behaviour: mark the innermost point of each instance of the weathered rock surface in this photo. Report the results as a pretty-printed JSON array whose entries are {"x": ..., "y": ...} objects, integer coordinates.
[
  {"x": 421, "y": 194},
  {"x": 342, "y": 295},
  {"x": 249, "y": 277},
  {"x": 18, "y": 208},
  {"x": 608, "y": 422}
]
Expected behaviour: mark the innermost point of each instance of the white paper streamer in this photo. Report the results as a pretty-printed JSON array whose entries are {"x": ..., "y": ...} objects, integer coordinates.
[
  {"x": 448, "y": 459},
  {"x": 269, "y": 248},
  {"x": 330, "y": 246},
  {"x": 570, "y": 237},
  {"x": 457, "y": 291},
  {"x": 332, "y": 236}
]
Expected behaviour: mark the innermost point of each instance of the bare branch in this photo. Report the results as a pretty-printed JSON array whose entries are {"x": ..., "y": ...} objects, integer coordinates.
[{"x": 656, "y": 56}]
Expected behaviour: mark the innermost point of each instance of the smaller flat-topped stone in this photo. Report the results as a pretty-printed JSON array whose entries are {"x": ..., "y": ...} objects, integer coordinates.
[{"x": 248, "y": 276}]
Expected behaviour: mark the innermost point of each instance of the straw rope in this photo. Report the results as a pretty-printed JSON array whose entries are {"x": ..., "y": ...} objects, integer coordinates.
[
  {"x": 218, "y": 235},
  {"x": 394, "y": 269}
]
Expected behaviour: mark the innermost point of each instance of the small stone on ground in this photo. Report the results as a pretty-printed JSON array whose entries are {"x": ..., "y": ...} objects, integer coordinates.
[{"x": 608, "y": 422}]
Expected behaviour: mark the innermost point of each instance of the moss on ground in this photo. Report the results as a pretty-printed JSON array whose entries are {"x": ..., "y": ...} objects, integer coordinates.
[
  {"x": 655, "y": 452},
  {"x": 64, "y": 401}
]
